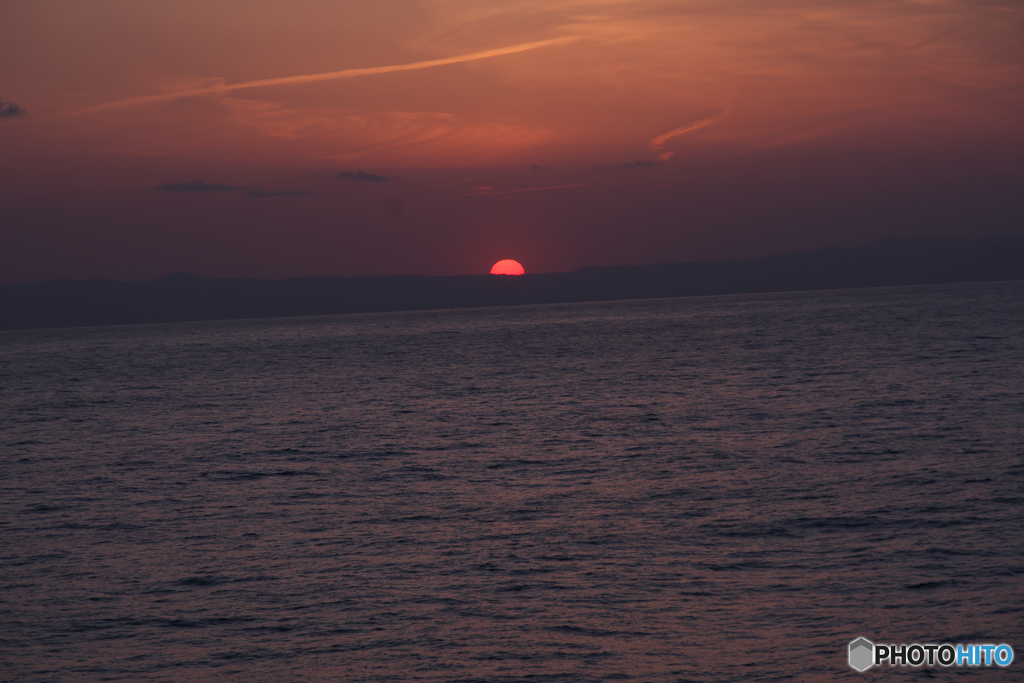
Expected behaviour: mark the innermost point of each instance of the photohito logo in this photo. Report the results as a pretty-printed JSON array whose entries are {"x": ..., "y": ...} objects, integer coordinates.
[{"x": 864, "y": 654}]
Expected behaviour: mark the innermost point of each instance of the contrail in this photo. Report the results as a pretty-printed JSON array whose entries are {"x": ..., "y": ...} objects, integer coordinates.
[{"x": 329, "y": 76}]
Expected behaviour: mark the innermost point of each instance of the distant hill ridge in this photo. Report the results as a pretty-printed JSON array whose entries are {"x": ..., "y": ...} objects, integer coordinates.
[{"x": 182, "y": 297}]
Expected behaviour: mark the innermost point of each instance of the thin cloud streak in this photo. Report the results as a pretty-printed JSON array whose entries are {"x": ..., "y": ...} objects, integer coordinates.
[
  {"x": 658, "y": 143},
  {"x": 360, "y": 176},
  {"x": 328, "y": 76}
]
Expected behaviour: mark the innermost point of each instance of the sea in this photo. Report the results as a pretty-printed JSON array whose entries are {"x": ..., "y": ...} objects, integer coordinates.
[{"x": 727, "y": 488}]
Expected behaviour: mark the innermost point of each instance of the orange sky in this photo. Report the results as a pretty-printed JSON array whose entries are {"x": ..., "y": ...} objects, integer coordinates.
[{"x": 560, "y": 134}]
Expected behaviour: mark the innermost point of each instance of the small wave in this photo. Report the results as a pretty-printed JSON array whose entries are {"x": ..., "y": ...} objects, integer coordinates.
[
  {"x": 201, "y": 581},
  {"x": 928, "y": 585}
]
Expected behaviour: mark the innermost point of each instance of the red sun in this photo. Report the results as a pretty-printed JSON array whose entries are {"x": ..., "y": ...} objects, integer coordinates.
[{"x": 507, "y": 267}]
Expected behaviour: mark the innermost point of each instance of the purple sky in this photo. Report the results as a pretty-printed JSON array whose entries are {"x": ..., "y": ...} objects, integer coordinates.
[{"x": 310, "y": 138}]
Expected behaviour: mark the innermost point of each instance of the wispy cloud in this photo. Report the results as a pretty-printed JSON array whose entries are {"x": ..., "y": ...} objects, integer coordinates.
[
  {"x": 359, "y": 176},
  {"x": 9, "y": 110},
  {"x": 196, "y": 186},
  {"x": 223, "y": 88},
  {"x": 658, "y": 143}
]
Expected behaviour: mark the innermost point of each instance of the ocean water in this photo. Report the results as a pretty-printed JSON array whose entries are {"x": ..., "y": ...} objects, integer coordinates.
[{"x": 705, "y": 489}]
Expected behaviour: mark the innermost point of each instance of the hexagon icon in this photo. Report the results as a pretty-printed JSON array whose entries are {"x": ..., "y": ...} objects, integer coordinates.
[{"x": 862, "y": 653}]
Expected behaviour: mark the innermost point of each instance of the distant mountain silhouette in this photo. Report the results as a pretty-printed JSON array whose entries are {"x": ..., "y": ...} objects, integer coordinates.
[{"x": 182, "y": 297}]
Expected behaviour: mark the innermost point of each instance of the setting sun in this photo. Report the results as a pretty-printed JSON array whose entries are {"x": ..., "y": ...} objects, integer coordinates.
[{"x": 507, "y": 267}]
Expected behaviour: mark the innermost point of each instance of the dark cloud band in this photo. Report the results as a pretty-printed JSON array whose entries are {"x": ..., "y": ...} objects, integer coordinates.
[
  {"x": 359, "y": 176},
  {"x": 8, "y": 110}
]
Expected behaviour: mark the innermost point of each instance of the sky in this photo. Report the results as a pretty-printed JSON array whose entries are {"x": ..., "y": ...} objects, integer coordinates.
[{"x": 258, "y": 138}]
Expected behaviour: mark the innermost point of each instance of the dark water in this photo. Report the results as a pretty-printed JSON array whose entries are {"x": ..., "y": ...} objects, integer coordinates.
[{"x": 716, "y": 489}]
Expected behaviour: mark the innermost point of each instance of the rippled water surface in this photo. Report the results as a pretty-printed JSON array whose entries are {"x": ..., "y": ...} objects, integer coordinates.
[{"x": 707, "y": 489}]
